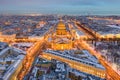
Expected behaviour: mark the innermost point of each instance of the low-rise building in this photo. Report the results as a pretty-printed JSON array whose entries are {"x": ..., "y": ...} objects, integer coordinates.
[{"x": 10, "y": 63}]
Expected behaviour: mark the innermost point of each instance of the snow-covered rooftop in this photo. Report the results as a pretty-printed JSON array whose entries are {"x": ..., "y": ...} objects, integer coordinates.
[
  {"x": 85, "y": 57},
  {"x": 11, "y": 58}
]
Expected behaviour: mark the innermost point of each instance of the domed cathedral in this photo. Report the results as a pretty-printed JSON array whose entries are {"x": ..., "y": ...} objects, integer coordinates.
[
  {"x": 61, "y": 29},
  {"x": 61, "y": 39}
]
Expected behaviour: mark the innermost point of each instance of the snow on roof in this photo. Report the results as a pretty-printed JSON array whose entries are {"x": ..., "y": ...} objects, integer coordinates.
[
  {"x": 114, "y": 26},
  {"x": 2, "y": 68},
  {"x": 60, "y": 67},
  {"x": 3, "y": 43},
  {"x": 77, "y": 73},
  {"x": 13, "y": 68},
  {"x": 79, "y": 32},
  {"x": 19, "y": 50},
  {"x": 4, "y": 51},
  {"x": 14, "y": 58},
  {"x": 88, "y": 59},
  {"x": 24, "y": 44}
]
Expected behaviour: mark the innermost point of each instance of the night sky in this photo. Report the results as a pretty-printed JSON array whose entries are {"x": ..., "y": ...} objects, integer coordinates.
[{"x": 102, "y": 7}]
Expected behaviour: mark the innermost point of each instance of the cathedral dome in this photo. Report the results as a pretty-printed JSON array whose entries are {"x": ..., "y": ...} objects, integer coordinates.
[{"x": 61, "y": 25}]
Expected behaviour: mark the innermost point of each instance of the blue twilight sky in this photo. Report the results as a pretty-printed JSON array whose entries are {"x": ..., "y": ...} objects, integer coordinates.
[{"x": 104, "y": 7}]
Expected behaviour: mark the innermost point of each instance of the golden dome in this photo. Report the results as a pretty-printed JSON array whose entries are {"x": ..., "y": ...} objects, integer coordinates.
[{"x": 61, "y": 25}]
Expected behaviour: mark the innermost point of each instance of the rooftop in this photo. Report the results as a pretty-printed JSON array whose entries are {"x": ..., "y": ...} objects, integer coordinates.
[
  {"x": 85, "y": 57},
  {"x": 9, "y": 62}
]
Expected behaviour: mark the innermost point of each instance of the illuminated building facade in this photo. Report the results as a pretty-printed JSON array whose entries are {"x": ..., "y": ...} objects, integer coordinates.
[{"x": 61, "y": 39}]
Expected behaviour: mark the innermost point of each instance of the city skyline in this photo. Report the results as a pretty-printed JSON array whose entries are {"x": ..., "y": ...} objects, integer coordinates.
[
  {"x": 77, "y": 7},
  {"x": 59, "y": 47}
]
